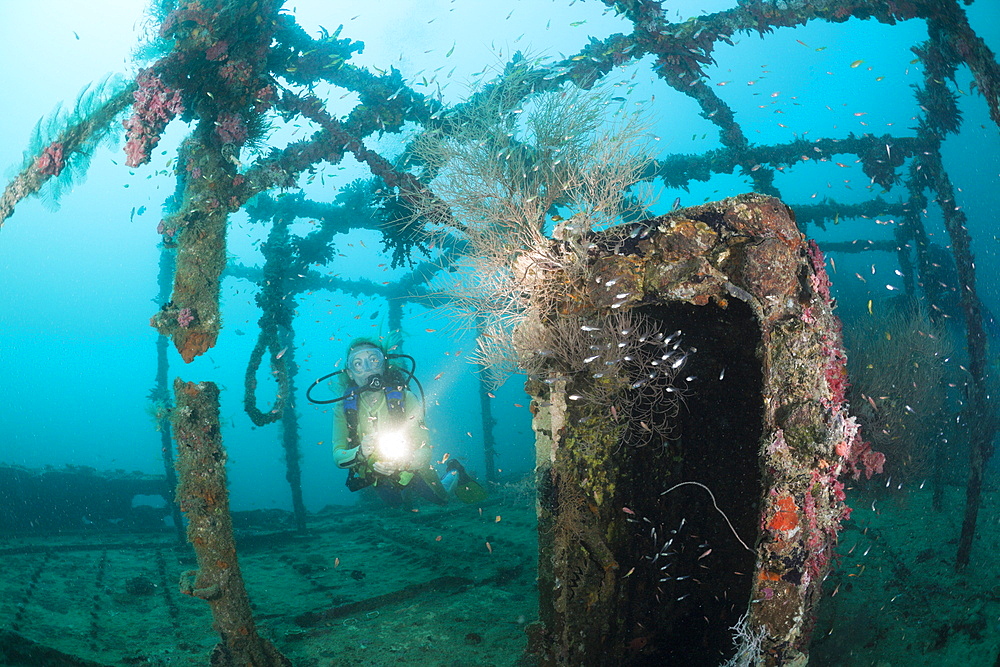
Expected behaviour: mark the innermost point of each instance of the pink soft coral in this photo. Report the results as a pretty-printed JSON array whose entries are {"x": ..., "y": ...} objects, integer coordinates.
[
  {"x": 820, "y": 280},
  {"x": 860, "y": 457},
  {"x": 185, "y": 317},
  {"x": 155, "y": 105},
  {"x": 51, "y": 161},
  {"x": 231, "y": 129}
]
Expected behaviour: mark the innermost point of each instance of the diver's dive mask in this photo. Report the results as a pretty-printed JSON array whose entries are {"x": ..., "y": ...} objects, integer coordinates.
[{"x": 365, "y": 366}]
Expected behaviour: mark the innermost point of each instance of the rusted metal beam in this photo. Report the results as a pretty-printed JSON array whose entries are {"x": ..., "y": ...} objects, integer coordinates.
[{"x": 204, "y": 499}]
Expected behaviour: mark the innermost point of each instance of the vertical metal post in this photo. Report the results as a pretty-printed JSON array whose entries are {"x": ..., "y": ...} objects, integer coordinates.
[{"x": 204, "y": 497}]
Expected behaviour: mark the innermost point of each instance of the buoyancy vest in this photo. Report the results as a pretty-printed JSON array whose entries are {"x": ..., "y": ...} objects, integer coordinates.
[{"x": 360, "y": 476}]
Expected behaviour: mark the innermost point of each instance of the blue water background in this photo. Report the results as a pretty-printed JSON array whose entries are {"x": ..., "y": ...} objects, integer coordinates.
[{"x": 77, "y": 284}]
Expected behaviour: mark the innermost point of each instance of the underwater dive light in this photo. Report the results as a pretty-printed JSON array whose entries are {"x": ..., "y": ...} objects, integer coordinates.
[{"x": 393, "y": 446}]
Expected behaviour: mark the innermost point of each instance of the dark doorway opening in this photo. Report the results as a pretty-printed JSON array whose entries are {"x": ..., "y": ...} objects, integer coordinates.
[{"x": 692, "y": 575}]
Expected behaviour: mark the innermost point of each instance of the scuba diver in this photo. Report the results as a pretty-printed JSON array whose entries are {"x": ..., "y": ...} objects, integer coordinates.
[{"x": 379, "y": 436}]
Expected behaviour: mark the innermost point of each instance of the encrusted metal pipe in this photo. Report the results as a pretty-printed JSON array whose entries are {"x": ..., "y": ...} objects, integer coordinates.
[{"x": 204, "y": 498}]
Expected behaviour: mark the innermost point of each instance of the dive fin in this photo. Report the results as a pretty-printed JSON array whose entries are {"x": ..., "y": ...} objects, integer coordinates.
[{"x": 466, "y": 489}]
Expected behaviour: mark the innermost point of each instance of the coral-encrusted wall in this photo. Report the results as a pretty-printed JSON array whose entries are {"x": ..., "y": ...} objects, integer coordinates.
[{"x": 763, "y": 427}]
